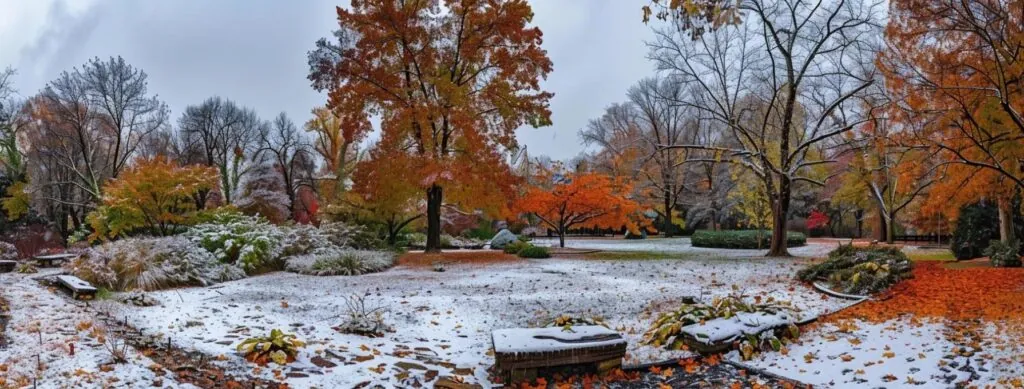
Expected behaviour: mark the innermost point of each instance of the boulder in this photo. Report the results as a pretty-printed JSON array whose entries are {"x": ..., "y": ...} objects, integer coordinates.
[{"x": 502, "y": 238}]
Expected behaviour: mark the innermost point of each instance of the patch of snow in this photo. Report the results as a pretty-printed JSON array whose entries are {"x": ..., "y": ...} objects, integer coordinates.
[
  {"x": 529, "y": 340},
  {"x": 743, "y": 323}
]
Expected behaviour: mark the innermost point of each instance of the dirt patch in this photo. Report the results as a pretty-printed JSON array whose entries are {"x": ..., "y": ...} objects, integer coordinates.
[{"x": 475, "y": 257}]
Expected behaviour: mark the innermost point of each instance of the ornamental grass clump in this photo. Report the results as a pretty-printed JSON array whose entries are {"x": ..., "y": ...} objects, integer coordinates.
[
  {"x": 534, "y": 252},
  {"x": 341, "y": 262},
  {"x": 860, "y": 270}
]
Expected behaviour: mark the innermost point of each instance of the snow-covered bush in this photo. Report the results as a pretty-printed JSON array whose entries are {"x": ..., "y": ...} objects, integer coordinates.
[
  {"x": 419, "y": 240},
  {"x": 348, "y": 262},
  {"x": 667, "y": 330},
  {"x": 1003, "y": 255},
  {"x": 8, "y": 252},
  {"x": 251, "y": 242},
  {"x": 151, "y": 264},
  {"x": 354, "y": 236},
  {"x": 303, "y": 239},
  {"x": 860, "y": 270}
]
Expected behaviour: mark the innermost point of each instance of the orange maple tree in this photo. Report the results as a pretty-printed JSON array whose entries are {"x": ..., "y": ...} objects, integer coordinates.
[
  {"x": 154, "y": 195},
  {"x": 450, "y": 81},
  {"x": 581, "y": 200}
]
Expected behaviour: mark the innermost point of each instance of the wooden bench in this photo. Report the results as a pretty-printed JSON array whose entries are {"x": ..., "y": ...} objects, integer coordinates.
[
  {"x": 48, "y": 260},
  {"x": 7, "y": 266},
  {"x": 519, "y": 352},
  {"x": 80, "y": 290}
]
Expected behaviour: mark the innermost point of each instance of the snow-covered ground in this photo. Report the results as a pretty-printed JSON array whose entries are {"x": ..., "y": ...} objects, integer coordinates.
[
  {"x": 816, "y": 248},
  {"x": 443, "y": 320},
  {"x": 903, "y": 353},
  {"x": 42, "y": 329}
]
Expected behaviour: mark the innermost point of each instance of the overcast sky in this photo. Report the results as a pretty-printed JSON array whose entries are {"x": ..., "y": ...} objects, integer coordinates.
[{"x": 254, "y": 52}]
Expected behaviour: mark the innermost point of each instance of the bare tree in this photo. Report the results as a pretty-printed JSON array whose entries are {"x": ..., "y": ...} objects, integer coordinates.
[
  {"x": 220, "y": 133},
  {"x": 119, "y": 92},
  {"x": 782, "y": 81},
  {"x": 290, "y": 154}
]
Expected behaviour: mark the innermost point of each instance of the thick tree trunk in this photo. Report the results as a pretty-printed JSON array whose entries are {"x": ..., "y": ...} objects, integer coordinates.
[
  {"x": 883, "y": 227},
  {"x": 780, "y": 216},
  {"x": 434, "y": 219},
  {"x": 1006, "y": 234},
  {"x": 561, "y": 237},
  {"x": 859, "y": 216},
  {"x": 667, "y": 228}
]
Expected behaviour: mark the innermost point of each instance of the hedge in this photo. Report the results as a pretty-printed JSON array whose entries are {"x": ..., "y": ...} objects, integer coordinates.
[
  {"x": 742, "y": 239},
  {"x": 534, "y": 252}
]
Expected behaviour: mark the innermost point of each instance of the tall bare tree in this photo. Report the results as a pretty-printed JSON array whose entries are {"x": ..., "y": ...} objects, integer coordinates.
[
  {"x": 784, "y": 79},
  {"x": 290, "y": 154},
  {"x": 220, "y": 133}
]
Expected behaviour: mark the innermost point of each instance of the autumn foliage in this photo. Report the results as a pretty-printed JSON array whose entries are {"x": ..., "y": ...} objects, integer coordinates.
[
  {"x": 581, "y": 200},
  {"x": 450, "y": 87},
  {"x": 154, "y": 195}
]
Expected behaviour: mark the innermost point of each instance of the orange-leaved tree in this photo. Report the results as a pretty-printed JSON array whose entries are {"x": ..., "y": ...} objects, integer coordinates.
[
  {"x": 154, "y": 195},
  {"x": 576, "y": 200},
  {"x": 385, "y": 189},
  {"x": 450, "y": 81}
]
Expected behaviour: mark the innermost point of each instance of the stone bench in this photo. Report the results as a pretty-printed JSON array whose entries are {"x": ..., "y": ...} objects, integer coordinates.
[
  {"x": 49, "y": 260},
  {"x": 519, "y": 352},
  {"x": 78, "y": 287},
  {"x": 7, "y": 266}
]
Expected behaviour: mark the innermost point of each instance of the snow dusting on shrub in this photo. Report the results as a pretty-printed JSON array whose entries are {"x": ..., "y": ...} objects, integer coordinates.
[
  {"x": 151, "y": 264},
  {"x": 251, "y": 242},
  {"x": 8, "y": 252},
  {"x": 350, "y": 235},
  {"x": 303, "y": 239},
  {"x": 348, "y": 262}
]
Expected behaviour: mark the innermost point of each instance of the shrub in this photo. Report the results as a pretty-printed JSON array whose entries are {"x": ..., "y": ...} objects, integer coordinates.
[
  {"x": 279, "y": 347},
  {"x": 303, "y": 239},
  {"x": 515, "y": 247},
  {"x": 248, "y": 241},
  {"x": 860, "y": 270},
  {"x": 8, "y": 252},
  {"x": 151, "y": 264},
  {"x": 354, "y": 236},
  {"x": 1003, "y": 255},
  {"x": 742, "y": 239},
  {"x": 347, "y": 262},
  {"x": 534, "y": 252},
  {"x": 362, "y": 319},
  {"x": 977, "y": 225},
  {"x": 26, "y": 268},
  {"x": 667, "y": 329}
]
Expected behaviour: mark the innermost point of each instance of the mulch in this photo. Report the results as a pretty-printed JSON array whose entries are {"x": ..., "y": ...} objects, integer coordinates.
[{"x": 475, "y": 257}]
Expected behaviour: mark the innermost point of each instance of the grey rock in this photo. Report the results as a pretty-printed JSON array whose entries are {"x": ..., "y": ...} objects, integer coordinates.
[{"x": 502, "y": 238}]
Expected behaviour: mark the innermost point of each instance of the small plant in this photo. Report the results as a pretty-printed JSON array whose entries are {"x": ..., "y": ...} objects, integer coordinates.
[
  {"x": 516, "y": 246},
  {"x": 26, "y": 268},
  {"x": 343, "y": 265},
  {"x": 362, "y": 319},
  {"x": 534, "y": 252},
  {"x": 567, "y": 322},
  {"x": 439, "y": 267},
  {"x": 118, "y": 350},
  {"x": 341, "y": 262},
  {"x": 279, "y": 347},
  {"x": 1003, "y": 255}
]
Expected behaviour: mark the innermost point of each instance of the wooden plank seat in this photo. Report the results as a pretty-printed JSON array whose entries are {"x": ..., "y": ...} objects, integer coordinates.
[
  {"x": 519, "y": 352},
  {"x": 7, "y": 266},
  {"x": 49, "y": 260},
  {"x": 80, "y": 289}
]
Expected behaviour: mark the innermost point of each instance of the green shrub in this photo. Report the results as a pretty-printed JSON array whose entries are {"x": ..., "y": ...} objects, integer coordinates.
[
  {"x": 860, "y": 270},
  {"x": 534, "y": 252},
  {"x": 977, "y": 225},
  {"x": 515, "y": 247},
  {"x": 1003, "y": 255},
  {"x": 353, "y": 236},
  {"x": 742, "y": 239},
  {"x": 251, "y": 242}
]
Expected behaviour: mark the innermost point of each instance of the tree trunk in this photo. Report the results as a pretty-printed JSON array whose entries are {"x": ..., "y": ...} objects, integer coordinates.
[
  {"x": 667, "y": 228},
  {"x": 1006, "y": 234},
  {"x": 561, "y": 237},
  {"x": 434, "y": 219},
  {"x": 859, "y": 216},
  {"x": 882, "y": 225},
  {"x": 780, "y": 216},
  {"x": 890, "y": 231}
]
